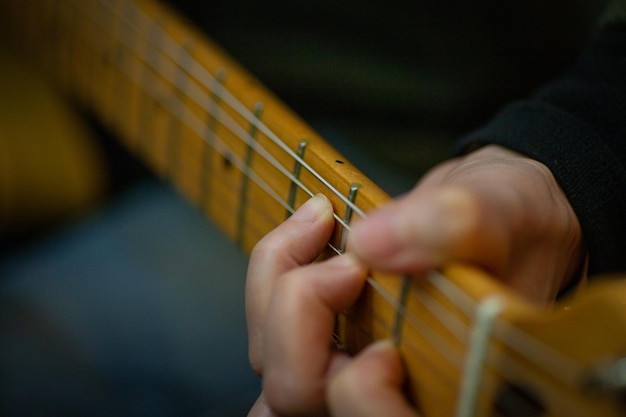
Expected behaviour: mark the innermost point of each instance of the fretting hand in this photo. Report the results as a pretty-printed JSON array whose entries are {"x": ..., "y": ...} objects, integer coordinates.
[
  {"x": 291, "y": 307},
  {"x": 493, "y": 208}
]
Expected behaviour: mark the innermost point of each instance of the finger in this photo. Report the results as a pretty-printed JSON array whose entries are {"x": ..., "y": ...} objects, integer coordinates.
[
  {"x": 297, "y": 354},
  {"x": 295, "y": 242},
  {"x": 370, "y": 386},
  {"x": 424, "y": 229}
]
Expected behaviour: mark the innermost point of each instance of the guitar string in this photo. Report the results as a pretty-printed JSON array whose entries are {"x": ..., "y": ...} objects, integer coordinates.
[
  {"x": 273, "y": 196},
  {"x": 171, "y": 49}
]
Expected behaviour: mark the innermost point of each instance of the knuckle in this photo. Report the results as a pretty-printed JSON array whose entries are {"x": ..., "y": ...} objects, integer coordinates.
[{"x": 268, "y": 248}]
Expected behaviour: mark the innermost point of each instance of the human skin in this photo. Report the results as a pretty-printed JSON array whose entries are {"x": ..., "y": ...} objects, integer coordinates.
[{"x": 493, "y": 208}]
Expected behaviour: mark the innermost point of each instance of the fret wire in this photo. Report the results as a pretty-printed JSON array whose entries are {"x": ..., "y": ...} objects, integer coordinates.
[
  {"x": 169, "y": 46},
  {"x": 347, "y": 218},
  {"x": 435, "y": 340},
  {"x": 211, "y": 125},
  {"x": 357, "y": 324},
  {"x": 293, "y": 188},
  {"x": 243, "y": 198},
  {"x": 339, "y": 343},
  {"x": 401, "y": 311},
  {"x": 232, "y": 188},
  {"x": 230, "y": 124}
]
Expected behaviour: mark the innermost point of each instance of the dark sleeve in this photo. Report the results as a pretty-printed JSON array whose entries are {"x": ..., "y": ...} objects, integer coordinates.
[{"x": 577, "y": 127}]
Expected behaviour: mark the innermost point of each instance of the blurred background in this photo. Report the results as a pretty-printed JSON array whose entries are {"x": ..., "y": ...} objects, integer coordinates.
[
  {"x": 399, "y": 80},
  {"x": 117, "y": 298}
]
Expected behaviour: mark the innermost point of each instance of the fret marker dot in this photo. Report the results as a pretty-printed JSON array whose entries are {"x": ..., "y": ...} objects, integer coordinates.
[{"x": 227, "y": 163}]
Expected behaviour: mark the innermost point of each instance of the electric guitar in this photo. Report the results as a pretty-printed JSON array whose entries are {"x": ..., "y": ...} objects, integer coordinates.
[{"x": 471, "y": 347}]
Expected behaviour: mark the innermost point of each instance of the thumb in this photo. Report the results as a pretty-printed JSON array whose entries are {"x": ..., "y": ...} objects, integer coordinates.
[{"x": 423, "y": 230}]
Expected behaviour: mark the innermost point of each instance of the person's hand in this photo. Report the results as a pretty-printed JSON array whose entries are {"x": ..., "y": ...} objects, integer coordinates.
[
  {"x": 291, "y": 306},
  {"x": 493, "y": 208},
  {"x": 290, "y": 310}
]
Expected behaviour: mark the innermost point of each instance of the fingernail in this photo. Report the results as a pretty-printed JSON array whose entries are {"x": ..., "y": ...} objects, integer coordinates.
[{"x": 315, "y": 208}]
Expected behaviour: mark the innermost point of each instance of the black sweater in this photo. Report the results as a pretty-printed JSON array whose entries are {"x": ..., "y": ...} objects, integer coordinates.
[{"x": 577, "y": 127}]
